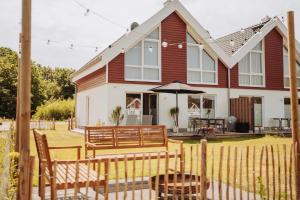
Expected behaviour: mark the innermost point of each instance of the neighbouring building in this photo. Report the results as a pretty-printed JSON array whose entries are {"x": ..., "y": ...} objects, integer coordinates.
[{"x": 244, "y": 73}]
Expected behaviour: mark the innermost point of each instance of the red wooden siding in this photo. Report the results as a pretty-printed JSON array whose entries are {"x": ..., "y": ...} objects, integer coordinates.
[
  {"x": 273, "y": 64},
  {"x": 274, "y": 60},
  {"x": 92, "y": 80},
  {"x": 173, "y": 59}
]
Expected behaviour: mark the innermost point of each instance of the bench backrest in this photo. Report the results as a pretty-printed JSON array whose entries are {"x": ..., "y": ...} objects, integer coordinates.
[
  {"x": 109, "y": 137},
  {"x": 42, "y": 149}
]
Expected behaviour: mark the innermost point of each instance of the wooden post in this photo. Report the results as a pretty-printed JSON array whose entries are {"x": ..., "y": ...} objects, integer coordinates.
[
  {"x": 203, "y": 170},
  {"x": 17, "y": 137},
  {"x": 24, "y": 97},
  {"x": 294, "y": 94}
]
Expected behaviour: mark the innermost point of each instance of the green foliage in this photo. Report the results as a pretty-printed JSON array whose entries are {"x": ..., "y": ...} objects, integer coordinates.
[
  {"x": 47, "y": 83},
  {"x": 174, "y": 112},
  {"x": 117, "y": 116},
  {"x": 55, "y": 109}
]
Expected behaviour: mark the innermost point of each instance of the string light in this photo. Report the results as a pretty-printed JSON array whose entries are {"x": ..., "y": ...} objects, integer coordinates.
[
  {"x": 87, "y": 12},
  {"x": 96, "y": 49},
  {"x": 71, "y": 46},
  {"x": 123, "y": 50},
  {"x": 164, "y": 44},
  {"x": 180, "y": 46},
  {"x": 232, "y": 42},
  {"x": 48, "y": 42},
  {"x": 150, "y": 49}
]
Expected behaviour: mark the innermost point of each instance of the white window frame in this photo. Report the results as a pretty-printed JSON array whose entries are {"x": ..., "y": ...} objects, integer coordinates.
[
  {"x": 262, "y": 52},
  {"x": 200, "y": 69},
  {"x": 143, "y": 66},
  {"x": 286, "y": 54}
]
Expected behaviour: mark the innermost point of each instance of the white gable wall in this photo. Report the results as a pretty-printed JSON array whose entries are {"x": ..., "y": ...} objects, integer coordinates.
[{"x": 97, "y": 106}]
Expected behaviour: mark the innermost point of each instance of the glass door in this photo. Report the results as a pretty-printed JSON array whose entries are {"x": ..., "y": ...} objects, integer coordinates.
[
  {"x": 153, "y": 108},
  {"x": 257, "y": 101}
]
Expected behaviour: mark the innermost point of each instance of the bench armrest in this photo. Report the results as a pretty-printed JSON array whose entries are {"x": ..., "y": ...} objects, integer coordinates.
[
  {"x": 78, "y": 147},
  {"x": 175, "y": 141},
  {"x": 88, "y": 144}
]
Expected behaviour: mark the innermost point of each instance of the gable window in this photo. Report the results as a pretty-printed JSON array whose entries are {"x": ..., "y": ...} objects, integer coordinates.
[
  {"x": 251, "y": 68},
  {"x": 287, "y": 71},
  {"x": 201, "y": 67},
  {"x": 142, "y": 61}
]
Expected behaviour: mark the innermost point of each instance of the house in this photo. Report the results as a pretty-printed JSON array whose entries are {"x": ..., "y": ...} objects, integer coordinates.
[{"x": 245, "y": 70}]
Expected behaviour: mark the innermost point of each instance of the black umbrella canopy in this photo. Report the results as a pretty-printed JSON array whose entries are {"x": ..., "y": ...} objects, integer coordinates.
[{"x": 176, "y": 87}]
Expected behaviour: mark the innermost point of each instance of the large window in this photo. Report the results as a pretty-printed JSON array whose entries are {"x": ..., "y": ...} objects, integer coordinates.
[
  {"x": 201, "y": 66},
  {"x": 287, "y": 107},
  {"x": 142, "y": 61},
  {"x": 286, "y": 70},
  {"x": 251, "y": 68},
  {"x": 201, "y": 106}
]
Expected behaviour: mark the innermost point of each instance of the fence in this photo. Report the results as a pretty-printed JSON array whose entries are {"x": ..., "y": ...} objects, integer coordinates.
[
  {"x": 34, "y": 124},
  {"x": 71, "y": 123},
  {"x": 232, "y": 172}
]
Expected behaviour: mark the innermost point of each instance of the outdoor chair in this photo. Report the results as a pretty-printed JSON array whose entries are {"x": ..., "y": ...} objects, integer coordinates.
[
  {"x": 131, "y": 120},
  {"x": 64, "y": 174},
  {"x": 147, "y": 120}
]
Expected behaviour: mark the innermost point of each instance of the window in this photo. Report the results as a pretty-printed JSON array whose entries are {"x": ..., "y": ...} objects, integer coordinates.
[
  {"x": 142, "y": 61},
  {"x": 201, "y": 106},
  {"x": 251, "y": 69},
  {"x": 287, "y": 107},
  {"x": 133, "y": 104},
  {"x": 201, "y": 66},
  {"x": 286, "y": 70}
]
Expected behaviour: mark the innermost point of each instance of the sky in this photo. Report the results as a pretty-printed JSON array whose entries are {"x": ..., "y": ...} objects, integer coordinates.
[{"x": 64, "y": 22}]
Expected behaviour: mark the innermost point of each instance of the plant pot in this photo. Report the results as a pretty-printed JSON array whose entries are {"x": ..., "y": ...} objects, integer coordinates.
[{"x": 175, "y": 129}]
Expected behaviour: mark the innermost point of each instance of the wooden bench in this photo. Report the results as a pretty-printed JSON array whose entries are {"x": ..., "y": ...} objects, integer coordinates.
[
  {"x": 64, "y": 174},
  {"x": 126, "y": 137}
]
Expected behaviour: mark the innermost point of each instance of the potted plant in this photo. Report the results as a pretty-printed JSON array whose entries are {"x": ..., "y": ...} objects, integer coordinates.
[
  {"x": 174, "y": 113},
  {"x": 117, "y": 116}
]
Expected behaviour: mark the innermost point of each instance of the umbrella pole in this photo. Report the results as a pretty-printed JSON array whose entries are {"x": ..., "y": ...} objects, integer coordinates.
[{"x": 177, "y": 111}]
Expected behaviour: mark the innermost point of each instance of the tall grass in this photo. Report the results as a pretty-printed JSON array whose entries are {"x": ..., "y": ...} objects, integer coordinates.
[{"x": 55, "y": 109}]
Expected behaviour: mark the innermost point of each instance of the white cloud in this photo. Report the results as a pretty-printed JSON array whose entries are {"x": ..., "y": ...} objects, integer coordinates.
[{"x": 64, "y": 21}]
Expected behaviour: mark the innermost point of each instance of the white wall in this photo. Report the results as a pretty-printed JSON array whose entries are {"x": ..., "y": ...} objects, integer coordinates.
[
  {"x": 117, "y": 97},
  {"x": 273, "y": 102},
  {"x": 97, "y": 106}
]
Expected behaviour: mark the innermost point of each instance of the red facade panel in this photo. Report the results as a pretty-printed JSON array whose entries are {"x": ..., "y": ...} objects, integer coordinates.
[
  {"x": 274, "y": 61},
  {"x": 173, "y": 59},
  {"x": 92, "y": 80}
]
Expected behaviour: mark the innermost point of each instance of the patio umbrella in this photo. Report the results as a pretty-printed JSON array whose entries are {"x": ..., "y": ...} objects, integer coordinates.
[{"x": 176, "y": 87}]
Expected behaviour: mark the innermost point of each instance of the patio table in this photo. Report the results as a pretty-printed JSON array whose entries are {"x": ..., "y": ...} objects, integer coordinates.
[{"x": 209, "y": 121}]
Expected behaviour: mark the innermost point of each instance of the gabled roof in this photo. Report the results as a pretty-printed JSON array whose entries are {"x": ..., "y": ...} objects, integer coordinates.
[
  {"x": 254, "y": 35},
  {"x": 126, "y": 41},
  {"x": 229, "y": 55},
  {"x": 238, "y": 38}
]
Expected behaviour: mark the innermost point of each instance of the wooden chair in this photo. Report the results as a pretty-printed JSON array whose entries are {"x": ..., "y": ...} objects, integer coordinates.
[{"x": 64, "y": 174}]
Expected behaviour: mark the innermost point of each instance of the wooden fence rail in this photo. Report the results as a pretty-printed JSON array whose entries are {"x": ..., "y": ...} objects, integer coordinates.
[{"x": 250, "y": 172}]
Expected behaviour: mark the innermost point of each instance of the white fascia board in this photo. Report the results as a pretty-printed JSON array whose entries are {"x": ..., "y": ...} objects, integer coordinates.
[
  {"x": 189, "y": 19},
  {"x": 251, "y": 43},
  {"x": 87, "y": 71}
]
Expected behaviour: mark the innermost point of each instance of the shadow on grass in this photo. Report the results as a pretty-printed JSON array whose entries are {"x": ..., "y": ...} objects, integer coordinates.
[{"x": 217, "y": 140}]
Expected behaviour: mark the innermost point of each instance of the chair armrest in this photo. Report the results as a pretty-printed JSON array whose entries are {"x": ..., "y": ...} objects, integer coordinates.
[
  {"x": 66, "y": 147},
  {"x": 78, "y": 147}
]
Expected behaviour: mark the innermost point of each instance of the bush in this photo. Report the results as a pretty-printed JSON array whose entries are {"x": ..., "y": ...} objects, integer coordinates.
[{"x": 55, "y": 109}]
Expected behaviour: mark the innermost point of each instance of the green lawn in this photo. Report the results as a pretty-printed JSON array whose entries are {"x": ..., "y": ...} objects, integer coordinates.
[{"x": 62, "y": 137}]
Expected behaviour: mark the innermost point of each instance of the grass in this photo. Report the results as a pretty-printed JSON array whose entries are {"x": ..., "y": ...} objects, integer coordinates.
[{"x": 62, "y": 137}]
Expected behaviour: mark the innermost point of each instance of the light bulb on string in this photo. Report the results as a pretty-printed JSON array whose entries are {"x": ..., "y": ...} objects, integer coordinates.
[
  {"x": 71, "y": 46},
  {"x": 96, "y": 49},
  {"x": 123, "y": 50},
  {"x": 180, "y": 46},
  {"x": 232, "y": 42},
  {"x": 87, "y": 11},
  {"x": 127, "y": 32},
  {"x": 48, "y": 42},
  {"x": 150, "y": 49},
  {"x": 164, "y": 44}
]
